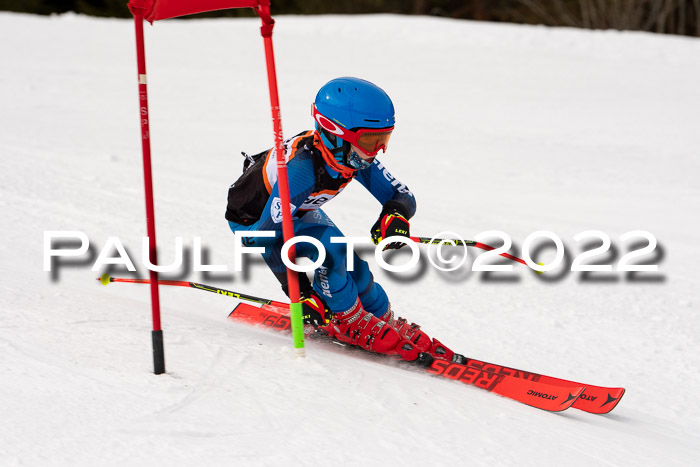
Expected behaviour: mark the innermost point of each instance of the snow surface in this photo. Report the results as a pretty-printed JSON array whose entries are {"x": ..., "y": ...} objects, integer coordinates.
[{"x": 515, "y": 128}]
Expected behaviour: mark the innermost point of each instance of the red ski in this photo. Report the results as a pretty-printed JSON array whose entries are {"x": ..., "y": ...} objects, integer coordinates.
[
  {"x": 595, "y": 399},
  {"x": 274, "y": 314},
  {"x": 539, "y": 394}
]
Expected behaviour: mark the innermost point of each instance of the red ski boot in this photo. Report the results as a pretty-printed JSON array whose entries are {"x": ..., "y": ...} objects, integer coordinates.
[
  {"x": 412, "y": 333},
  {"x": 358, "y": 327}
]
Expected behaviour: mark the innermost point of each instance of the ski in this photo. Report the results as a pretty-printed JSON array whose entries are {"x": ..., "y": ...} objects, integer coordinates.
[
  {"x": 595, "y": 399},
  {"x": 539, "y": 394}
]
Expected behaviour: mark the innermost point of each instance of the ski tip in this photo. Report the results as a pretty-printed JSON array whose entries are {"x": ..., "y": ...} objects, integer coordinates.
[
  {"x": 104, "y": 279},
  {"x": 569, "y": 396},
  {"x": 574, "y": 395},
  {"x": 613, "y": 397}
]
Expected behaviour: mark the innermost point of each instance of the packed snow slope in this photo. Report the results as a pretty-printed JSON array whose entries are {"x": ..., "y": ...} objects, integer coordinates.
[{"x": 499, "y": 127}]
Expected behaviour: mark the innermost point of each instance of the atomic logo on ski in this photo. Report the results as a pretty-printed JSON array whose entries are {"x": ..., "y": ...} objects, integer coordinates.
[
  {"x": 542, "y": 395},
  {"x": 610, "y": 399},
  {"x": 570, "y": 397}
]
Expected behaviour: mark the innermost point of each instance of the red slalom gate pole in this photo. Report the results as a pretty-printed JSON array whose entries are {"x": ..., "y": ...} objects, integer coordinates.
[
  {"x": 282, "y": 179},
  {"x": 157, "y": 333}
]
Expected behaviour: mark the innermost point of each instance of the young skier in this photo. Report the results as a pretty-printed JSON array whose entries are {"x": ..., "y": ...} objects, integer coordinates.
[{"x": 353, "y": 122}]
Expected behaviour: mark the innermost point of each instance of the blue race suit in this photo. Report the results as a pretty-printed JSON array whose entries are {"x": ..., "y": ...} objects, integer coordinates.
[{"x": 254, "y": 204}]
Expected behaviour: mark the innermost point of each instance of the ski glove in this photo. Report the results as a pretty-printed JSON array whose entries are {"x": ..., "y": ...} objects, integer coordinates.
[
  {"x": 390, "y": 223},
  {"x": 314, "y": 310}
]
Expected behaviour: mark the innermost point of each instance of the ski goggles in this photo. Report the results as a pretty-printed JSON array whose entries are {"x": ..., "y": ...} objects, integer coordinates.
[{"x": 368, "y": 140}]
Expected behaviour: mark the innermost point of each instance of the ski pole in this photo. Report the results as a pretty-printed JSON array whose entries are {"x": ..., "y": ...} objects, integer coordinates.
[
  {"x": 106, "y": 279},
  {"x": 483, "y": 246}
]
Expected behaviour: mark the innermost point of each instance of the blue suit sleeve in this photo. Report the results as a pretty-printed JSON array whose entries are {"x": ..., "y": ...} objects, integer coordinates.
[{"x": 385, "y": 188}]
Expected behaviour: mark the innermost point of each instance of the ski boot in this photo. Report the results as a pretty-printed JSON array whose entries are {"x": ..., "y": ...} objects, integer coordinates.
[
  {"x": 358, "y": 327},
  {"x": 412, "y": 333}
]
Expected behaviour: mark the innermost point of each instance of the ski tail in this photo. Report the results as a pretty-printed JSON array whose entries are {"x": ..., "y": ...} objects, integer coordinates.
[{"x": 271, "y": 316}]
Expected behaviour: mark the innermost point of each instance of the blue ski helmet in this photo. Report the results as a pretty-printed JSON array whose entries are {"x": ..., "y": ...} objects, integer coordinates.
[{"x": 350, "y": 104}]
